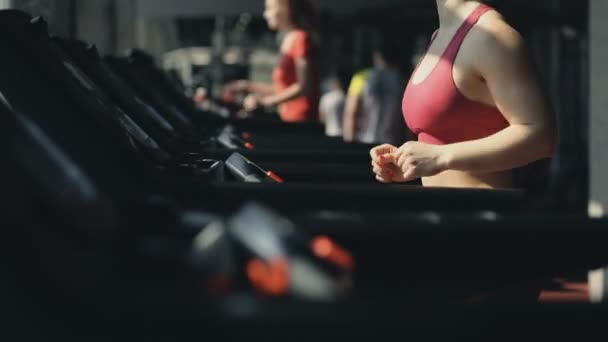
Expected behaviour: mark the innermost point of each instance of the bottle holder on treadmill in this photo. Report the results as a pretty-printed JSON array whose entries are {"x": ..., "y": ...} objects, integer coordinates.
[
  {"x": 206, "y": 170},
  {"x": 229, "y": 139},
  {"x": 246, "y": 171}
]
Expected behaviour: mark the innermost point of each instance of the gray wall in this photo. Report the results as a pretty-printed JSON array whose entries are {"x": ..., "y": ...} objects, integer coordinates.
[
  {"x": 161, "y": 8},
  {"x": 110, "y": 24},
  {"x": 126, "y": 21},
  {"x": 94, "y": 23},
  {"x": 599, "y": 101}
]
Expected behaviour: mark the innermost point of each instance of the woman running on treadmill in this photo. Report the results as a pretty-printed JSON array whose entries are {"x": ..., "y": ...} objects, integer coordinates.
[
  {"x": 475, "y": 103},
  {"x": 295, "y": 88}
]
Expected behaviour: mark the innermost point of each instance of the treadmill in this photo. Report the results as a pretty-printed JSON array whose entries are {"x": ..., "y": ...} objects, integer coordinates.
[{"x": 171, "y": 140}]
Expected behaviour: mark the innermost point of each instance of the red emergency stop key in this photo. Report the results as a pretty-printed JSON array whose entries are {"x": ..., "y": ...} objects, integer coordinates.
[{"x": 275, "y": 177}]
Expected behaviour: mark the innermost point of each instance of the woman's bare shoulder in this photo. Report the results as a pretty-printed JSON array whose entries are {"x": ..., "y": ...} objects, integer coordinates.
[{"x": 494, "y": 32}]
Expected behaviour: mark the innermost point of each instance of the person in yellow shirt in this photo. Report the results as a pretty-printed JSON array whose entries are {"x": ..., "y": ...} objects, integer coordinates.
[
  {"x": 373, "y": 106},
  {"x": 353, "y": 104}
]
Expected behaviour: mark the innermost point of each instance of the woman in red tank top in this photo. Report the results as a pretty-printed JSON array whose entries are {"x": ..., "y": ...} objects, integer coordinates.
[
  {"x": 475, "y": 103},
  {"x": 295, "y": 89}
]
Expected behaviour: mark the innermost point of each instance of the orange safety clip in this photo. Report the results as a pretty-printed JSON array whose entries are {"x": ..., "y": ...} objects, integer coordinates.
[
  {"x": 270, "y": 278},
  {"x": 275, "y": 177},
  {"x": 324, "y": 248}
]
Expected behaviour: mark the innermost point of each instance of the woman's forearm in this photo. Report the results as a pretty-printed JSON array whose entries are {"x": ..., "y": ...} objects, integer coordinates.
[
  {"x": 511, "y": 148},
  {"x": 261, "y": 89},
  {"x": 292, "y": 92}
]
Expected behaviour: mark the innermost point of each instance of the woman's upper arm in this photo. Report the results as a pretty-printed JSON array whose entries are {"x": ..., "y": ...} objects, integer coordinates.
[
  {"x": 301, "y": 53},
  {"x": 511, "y": 77},
  {"x": 301, "y": 45},
  {"x": 302, "y": 71}
]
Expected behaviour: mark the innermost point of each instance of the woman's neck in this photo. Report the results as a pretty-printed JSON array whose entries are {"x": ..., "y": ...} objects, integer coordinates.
[
  {"x": 451, "y": 11},
  {"x": 287, "y": 28}
]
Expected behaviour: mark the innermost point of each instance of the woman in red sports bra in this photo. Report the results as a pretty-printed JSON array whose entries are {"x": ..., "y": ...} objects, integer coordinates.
[
  {"x": 295, "y": 88},
  {"x": 475, "y": 103}
]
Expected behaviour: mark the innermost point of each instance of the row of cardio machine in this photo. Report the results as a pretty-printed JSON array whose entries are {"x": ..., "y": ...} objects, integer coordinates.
[{"x": 125, "y": 200}]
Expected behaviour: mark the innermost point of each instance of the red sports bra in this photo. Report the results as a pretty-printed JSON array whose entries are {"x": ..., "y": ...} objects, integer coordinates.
[{"x": 438, "y": 112}]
